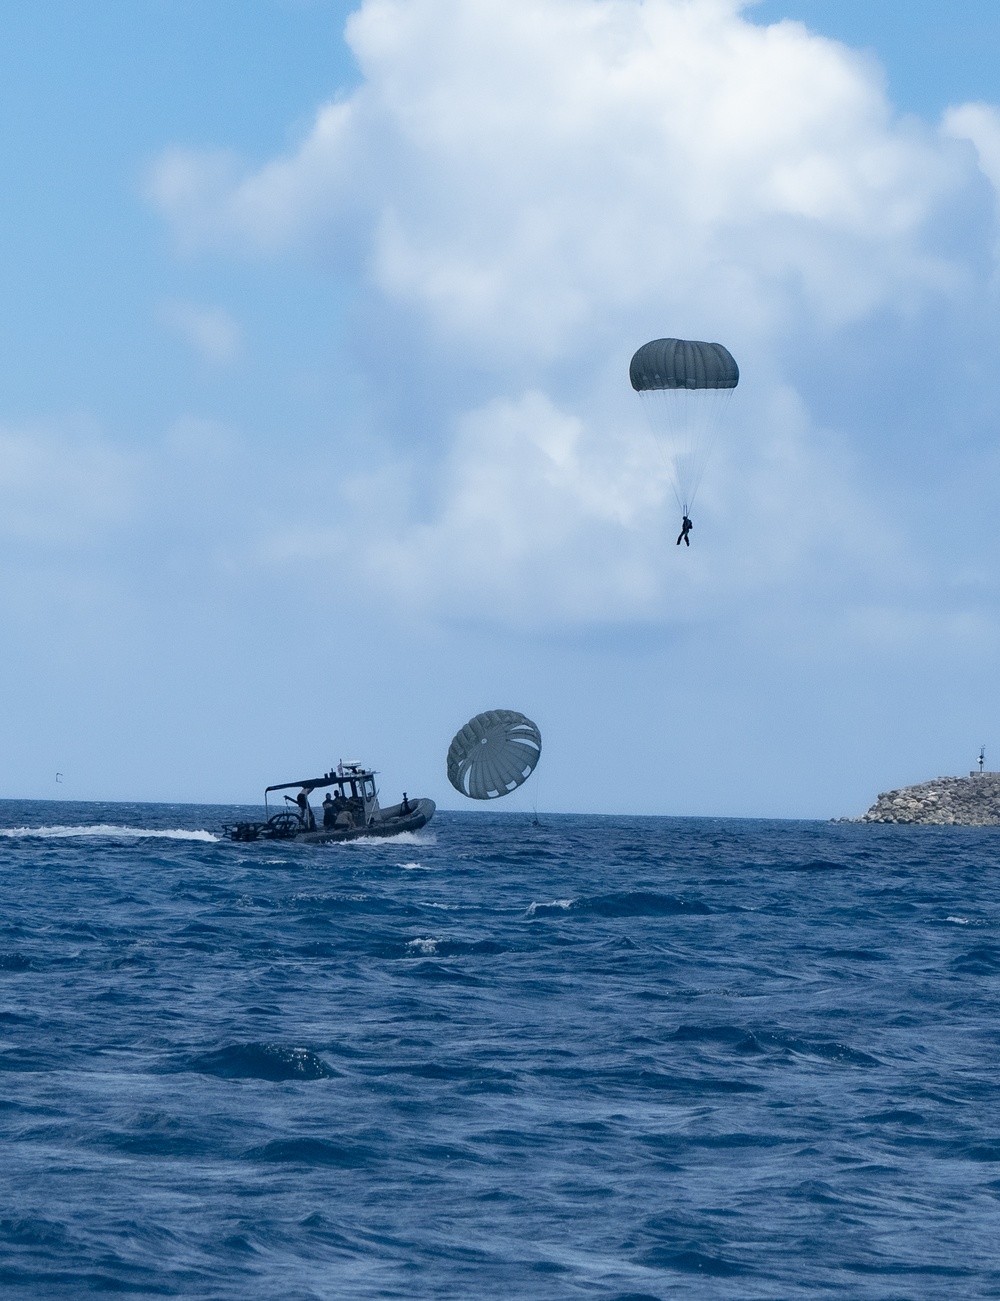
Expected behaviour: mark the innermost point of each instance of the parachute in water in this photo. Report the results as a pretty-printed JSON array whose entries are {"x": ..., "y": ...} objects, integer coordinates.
[
  {"x": 685, "y": 386},
  {"x": 493, "y": 754}
]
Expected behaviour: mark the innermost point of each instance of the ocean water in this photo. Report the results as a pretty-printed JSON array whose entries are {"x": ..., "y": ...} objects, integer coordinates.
[{"x": 612, "y": 1058}]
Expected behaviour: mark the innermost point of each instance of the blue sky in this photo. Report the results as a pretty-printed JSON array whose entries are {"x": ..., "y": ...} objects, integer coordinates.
[{"x": 315, "y": 431}]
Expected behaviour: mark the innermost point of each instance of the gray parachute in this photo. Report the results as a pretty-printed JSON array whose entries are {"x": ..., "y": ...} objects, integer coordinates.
[
  {"x": 685, "y": 386},
  {"x": 493, "y": 754},
  {"x": 683, "y": 363}
]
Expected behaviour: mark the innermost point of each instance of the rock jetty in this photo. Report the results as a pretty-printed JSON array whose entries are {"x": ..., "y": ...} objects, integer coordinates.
[{"x": 972, "y": 801}]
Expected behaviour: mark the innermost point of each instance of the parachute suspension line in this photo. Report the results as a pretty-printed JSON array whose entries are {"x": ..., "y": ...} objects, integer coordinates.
[
  {"x": 716, "y": 403},
  {"x": 527, "y": 799},
  {"x": 662, "y": 443},
  {"x": 523, "y": 801},
  {"x": 685, "y": 425}
]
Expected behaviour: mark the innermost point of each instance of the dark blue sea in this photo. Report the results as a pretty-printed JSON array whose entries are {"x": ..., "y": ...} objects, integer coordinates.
[{"x": 608, "y": 1058}]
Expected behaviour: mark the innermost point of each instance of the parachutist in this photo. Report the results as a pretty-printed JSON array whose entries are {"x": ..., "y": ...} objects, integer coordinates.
[{"x": 685, "y": 386}]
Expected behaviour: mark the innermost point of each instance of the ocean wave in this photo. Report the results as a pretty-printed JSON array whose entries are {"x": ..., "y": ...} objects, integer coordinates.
[
  {"x": 747, "y": 1042},
  {"x": 981, "y": 961},
  {"x": 33, "y": 1232},
  {"x": 260, "y": 1061},
  {"x": 155, "y": 1144},
  {"x": 311, "y": 1151},
  {"x": 437, "y": 971},
  {"x": 696, "y": 1086},
  {"x": 628, "y": 903},
  {"x": 693, "y": 1262},
  {"x": 423, "y": 838},
  {"x": 731, "y": 1036},
  {"x": 350, "y": 903},
  {"x": 105, "y": 831},
  {"x": 444, "y": 948},
  {"x": 552, "y": 909}
]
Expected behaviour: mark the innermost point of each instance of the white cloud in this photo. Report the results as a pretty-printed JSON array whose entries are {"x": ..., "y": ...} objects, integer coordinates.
[
  {"x": 62, "y": 487},
  {"x": 211, "y": 331},
  {"x": 523, "y": 166},
  {"x": 537, "y": 186},
  {"x": 980, "y": 125},
  {"x": 528, "y": 489},
  {"x": 541, "y": 519}
]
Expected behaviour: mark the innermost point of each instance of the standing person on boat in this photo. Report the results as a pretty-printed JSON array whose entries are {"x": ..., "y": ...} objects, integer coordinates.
[
  {"x": 341, "y": 811},
  {"x": 305, "y": 812},
  {"x": 686, "y": 527},
  {"x": 329, "y": 810}
]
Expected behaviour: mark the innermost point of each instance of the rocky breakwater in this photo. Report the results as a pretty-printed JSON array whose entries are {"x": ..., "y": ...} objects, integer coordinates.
[{"x": 972, "y": 801}]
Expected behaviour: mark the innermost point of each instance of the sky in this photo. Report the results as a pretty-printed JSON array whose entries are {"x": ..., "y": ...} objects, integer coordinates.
[{"x": 316, "y": 436}]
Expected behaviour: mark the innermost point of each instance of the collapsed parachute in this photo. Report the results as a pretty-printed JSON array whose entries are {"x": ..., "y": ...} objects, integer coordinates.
[
  {"x": 685, "y": 386},
  {"x": 493, "y": 754}
]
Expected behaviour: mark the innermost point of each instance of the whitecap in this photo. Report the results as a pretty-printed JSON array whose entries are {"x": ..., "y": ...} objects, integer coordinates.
[
  {"x": 959, "y": 921},
  {"x": 105, "y": 831},
  {"x": 554, "y": 903},
  {"x": 413, "y": 867},
  {"x": 423, "y": 945},
  {"x": 423, "y": 838}
]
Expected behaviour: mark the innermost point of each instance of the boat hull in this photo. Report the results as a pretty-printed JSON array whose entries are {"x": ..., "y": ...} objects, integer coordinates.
[{"x": 390, "y": 822}]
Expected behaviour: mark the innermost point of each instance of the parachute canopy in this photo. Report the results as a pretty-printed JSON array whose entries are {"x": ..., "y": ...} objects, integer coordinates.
[
  {"x": 683, "y": 363},
  {"x": 685, "y": 386},
  {"x": 493, "y": 754}
]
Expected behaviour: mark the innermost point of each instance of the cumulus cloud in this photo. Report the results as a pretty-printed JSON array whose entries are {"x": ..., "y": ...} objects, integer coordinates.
[
  {"x": 536, "y": 187},
  {"x": 521, "y": 167},
  {"x": 529, "y": 492},
  {"x": 979, "y": 124},
  {"x": 528, "y": 488}
]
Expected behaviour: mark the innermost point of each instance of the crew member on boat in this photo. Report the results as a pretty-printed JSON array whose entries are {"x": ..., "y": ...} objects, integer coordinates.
[
  {"x": 329, "y": 811},
  {"x": 342, "y": 811},
  {"x": 305, "y": 811}
]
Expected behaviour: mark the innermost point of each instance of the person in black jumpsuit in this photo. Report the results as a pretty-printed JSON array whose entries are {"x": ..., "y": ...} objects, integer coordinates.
[
  {"x": 341, "y": 811},
  {"x": 686, "y": 527},
  {"x": 305, "y": 812}
]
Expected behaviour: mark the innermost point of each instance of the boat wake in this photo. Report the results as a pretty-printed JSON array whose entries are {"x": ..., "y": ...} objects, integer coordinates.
[
  {"x": 422, "y": 837},
  {"x": 103, "y": 831}
]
